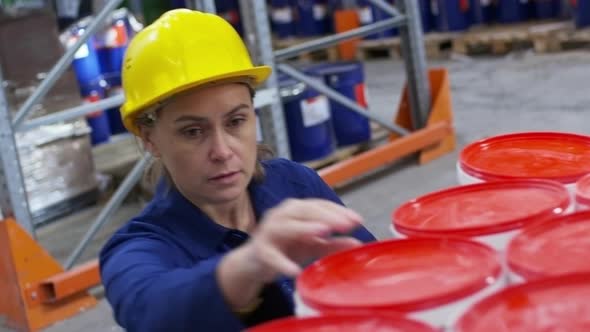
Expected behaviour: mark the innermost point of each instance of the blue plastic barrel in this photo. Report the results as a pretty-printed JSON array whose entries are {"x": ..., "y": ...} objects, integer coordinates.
[
  {"x": 86, "y": 63},
  {"x": 348, "y": 79},
  {"x": 451, "y": 15},
  {"x": 426, "y": 15},
  {"x": 307, "y": 115},
  {"x": 545, "y": 9},
  {"x": 312, "y": 18},
  {"x": 230, "y": 11},
  {"x": 98, "y": 121},
  {"x": 511, "y": 11},
  {"x": 113, "y": 44},
  {"x": 114, "y": 115},
  {"x": 369, "y": 13},
  {"x": 282, "y": 18},
  {"x": 582, "y": 13},
  {"x": 482, "y": 11}
]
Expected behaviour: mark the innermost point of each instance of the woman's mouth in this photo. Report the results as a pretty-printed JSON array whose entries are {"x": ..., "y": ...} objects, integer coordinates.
[{"x": 225, "y": 178}]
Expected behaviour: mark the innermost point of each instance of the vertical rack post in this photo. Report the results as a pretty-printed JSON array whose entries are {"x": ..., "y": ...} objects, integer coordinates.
[
  {"x": 258, "y": 37},
  {"x": 205, "y": 6},
  {"x": 13, "y": 195},
  {"x": 415, "y": 62}
]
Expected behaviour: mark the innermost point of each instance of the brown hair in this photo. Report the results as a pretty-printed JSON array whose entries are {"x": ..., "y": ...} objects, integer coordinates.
[{"x": 156, "y": 170}]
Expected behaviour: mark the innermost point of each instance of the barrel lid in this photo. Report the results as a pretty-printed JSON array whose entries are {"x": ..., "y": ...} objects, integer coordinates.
[
  {"x": 482, "y": 208},
  {"x": 583, "y": 190},
  {"x": 557, "y": 156},
  {"x": 399, "y": 275},
  {"x": 556, "y": 247},
  {"x": 550, "y": 304},
  {"x": 345, "y": 323}
]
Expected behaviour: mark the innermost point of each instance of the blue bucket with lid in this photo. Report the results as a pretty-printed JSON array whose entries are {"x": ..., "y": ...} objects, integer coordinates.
[
  {"x": 308, "y": 120},
  {"x": 347, "y": 78},
  {"x": 282, "y": 18}
]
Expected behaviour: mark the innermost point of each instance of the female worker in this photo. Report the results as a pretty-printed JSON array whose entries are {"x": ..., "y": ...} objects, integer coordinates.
[{"x": 218, "y": 246}]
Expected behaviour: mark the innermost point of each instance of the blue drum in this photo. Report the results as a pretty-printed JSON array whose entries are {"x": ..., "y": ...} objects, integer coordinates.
[
  {"x": 511, "y": 11},
  {"x": 282, "y": 18},
  {"x": 482, "y": 11},
  {"x": 582, "y": 13},
  {"x": 98, "y": 121},
  {"x": 113, "y": 44},
  {"x": 86, "y": 62},
  {"x": 307, "y": 116},
  {"x": 369, "y": 13},
  {"x": 230, "y": 11},
  {"x": 348, "y": 79},
  {"x": 451, "y": 15},
  {"x": 114, "y": 115},
  {"x": 545, "y": 9}
]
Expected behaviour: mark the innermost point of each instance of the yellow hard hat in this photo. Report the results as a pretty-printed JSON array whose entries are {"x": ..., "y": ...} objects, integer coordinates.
[{"x": 183, "y": 49}]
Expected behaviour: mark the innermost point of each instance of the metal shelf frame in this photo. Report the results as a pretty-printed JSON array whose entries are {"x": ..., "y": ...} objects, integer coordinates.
[{"x": 13, "y": 198}]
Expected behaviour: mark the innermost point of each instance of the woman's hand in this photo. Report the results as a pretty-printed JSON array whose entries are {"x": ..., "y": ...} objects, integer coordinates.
[
  {"x": 298, "y": 231},
  {"x": 289, "y": 235}
]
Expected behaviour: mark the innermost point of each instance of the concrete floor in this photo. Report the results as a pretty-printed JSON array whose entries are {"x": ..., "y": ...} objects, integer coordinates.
[{"x": 519, "y": 92}]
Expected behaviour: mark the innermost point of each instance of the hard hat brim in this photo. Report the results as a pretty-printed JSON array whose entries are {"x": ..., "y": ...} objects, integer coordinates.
[{"x": 257, "y": 75}]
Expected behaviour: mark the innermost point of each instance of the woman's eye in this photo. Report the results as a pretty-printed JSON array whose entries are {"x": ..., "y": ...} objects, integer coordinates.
[
  {"x": 193, "y": 132},
  {"x": 236, "y": 121}
]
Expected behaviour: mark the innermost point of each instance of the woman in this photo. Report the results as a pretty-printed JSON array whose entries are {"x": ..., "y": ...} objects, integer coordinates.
[{"x": 218, "y": 246}]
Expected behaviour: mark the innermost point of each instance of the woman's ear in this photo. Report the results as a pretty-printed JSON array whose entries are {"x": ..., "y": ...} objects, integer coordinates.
[{"x": 146, "y": 134}]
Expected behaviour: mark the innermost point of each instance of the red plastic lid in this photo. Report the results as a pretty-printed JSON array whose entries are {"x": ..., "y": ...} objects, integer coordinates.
[
  {"x": 344, "y": 323},
  {"x": 399, "y": 275},
  {"x": 482, "y": 208},
  {"x": 562, "y": 157},
  {"x": 556, "y": 247},
  {"x": 583, "y": 190},
  {"x": 552, "y": 304}
]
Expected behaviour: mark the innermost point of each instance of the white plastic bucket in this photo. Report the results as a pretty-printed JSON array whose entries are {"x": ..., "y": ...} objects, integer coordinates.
[
  {"x": 429, "y": 280},
  {"x": 561, "y": 157},
  {"x": 582, "y": 198},
  {"x": 550, "y": 304},
  {"x": 558, "y": 247},
  {"x": 491, "y": 213}
]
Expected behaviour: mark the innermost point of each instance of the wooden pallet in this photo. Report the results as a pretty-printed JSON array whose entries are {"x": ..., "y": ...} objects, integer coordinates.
[
  {"x": 502, "y": 39},
  {"x": 330, "y": 53},
  {"x": 566, "y": 40},
  {"x": 437, "y": 46}
]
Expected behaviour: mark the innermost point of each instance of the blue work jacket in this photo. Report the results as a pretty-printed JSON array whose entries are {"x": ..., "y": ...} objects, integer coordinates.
[{"x": 158, "y": 270}]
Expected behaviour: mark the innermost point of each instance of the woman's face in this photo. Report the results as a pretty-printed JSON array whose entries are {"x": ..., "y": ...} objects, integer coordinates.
[{"x": 206, "y": 139}]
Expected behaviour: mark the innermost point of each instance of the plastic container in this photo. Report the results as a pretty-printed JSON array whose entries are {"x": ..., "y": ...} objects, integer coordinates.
[
  {"x": 451, "y": 15},
  {"x": 428, "y": 279},
  {"x": 98, "y": 121},
  {"x": 482, "y": 11},
  {"x": 348, "y": 79},
  {"x": 111, "y": 47},
  {"x": 426, "y": 15},
  {"x": 344, "y": 323},
  {"x": 581, "y": 13},
  {"x": 552, "y": 304},
  {"x": 491, "y": 213},
  {"x": 562, "y": 157},
  {"x": 553, "y": 248},
  {"x": 512, "y": 11},
  {"x": 282, "y": 18},
  {"x": 582, "y": 199},
  {"x": 545, "y": 9},
  {"x": 86, "y": 62},
  {"x": 369, "y": 13},
  {"x": 307, "y": 115},
  {"x": 114, "y": 115}
]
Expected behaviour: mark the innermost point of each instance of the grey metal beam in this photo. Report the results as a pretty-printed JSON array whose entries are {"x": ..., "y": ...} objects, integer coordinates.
[
  {"x": 324, "y": 42},
  {"x": 13, "y": 195},
  {"x": 339, "y": 98},
  {"x": 386, "y": 7},
  {"x": 415, "y": 63},
  {"x": 62, "y": 64},
  {"x": 112, "y": 205},
  {"x": 72, "y": 113},
  {"x": 258, "y": 37}
]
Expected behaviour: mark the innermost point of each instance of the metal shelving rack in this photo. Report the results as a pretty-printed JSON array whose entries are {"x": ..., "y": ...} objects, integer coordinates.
[{"x": 13, "y": 198}]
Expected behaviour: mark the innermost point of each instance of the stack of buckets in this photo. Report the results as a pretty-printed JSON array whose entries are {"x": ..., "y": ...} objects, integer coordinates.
[
  {"x": 97, "y": 65},
  {"x": 316, "y": 126},
  {"x": 503, "y": 250}
]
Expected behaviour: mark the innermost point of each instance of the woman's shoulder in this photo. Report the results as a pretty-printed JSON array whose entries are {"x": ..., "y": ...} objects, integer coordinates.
[{"x": 288, "y": 170}]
